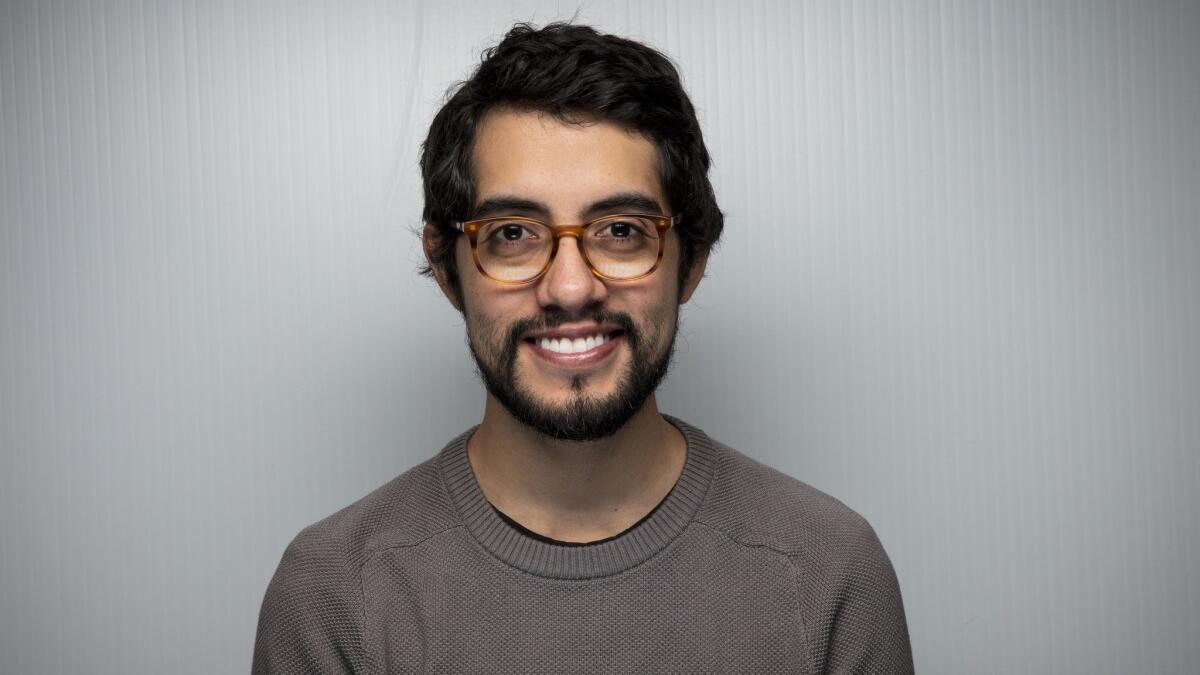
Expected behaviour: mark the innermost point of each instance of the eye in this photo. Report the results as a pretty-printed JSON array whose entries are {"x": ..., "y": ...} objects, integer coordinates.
[
  {"x": 512, "y": 231},
  {"x": 509, "y": 231},
  {"x": 625, "y": 228}
]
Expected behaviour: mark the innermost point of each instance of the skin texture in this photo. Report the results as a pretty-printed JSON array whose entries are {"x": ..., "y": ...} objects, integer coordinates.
[{"x": 573, "y": 455}]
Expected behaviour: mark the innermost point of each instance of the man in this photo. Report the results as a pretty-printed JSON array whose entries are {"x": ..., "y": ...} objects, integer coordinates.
[{"x": 576, "y": 529}]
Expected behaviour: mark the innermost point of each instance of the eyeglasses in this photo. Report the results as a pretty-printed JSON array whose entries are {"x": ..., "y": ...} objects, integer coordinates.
[{"x": 517, "y": 250}]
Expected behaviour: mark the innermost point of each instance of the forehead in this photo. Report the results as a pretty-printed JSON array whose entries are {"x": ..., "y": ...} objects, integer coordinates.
[{"x": 535, "y": 156}]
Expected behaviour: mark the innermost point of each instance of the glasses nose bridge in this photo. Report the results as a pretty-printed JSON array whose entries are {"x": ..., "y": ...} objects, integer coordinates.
[{"x": 558, "y": 234}]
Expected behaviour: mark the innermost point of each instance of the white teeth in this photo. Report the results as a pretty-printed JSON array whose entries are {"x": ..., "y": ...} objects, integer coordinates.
[{"x": 569, "y": 346}]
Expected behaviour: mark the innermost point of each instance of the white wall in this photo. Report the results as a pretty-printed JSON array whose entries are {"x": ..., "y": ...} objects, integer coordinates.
[{"x": 958, "y": 290}]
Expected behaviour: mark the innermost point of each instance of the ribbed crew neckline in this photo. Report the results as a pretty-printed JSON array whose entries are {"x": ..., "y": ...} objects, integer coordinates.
[
  {"x": 556, "y": 542},
  {"x": 591, "y": 560}
]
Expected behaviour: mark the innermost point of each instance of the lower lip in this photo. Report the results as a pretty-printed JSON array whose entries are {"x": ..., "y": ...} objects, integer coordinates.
[{"x": 591, "y": 357}]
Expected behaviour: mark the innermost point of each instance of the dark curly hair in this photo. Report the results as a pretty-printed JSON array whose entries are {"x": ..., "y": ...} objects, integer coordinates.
[{"x": 576, "y": 75}]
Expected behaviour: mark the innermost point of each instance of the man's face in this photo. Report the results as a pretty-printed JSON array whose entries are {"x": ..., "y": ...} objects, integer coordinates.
[{"x": 564, "y": 170}]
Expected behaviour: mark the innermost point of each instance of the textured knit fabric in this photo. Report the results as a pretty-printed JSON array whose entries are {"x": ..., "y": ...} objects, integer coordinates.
[{"x": 740, "y": 569}]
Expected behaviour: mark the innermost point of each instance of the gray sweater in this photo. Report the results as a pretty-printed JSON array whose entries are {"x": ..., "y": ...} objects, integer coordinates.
[{"x": 741, "y": 569}]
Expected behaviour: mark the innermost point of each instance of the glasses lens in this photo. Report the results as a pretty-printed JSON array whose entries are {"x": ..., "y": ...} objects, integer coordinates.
[
  {"x": 513, "y": 250},
  {"x": 622, "y": 246},
  {"x": 619, "y": 247}
]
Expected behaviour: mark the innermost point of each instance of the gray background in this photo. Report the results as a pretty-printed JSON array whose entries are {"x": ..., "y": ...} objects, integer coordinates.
[{"x": 958, "y": 290}]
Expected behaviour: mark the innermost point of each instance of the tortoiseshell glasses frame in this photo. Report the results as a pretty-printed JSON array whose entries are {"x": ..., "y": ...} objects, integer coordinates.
[{"x": 661, "y": 225}]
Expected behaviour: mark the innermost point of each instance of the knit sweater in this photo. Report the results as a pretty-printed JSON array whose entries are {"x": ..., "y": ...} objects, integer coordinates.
[{"x": 740, "y": 569}]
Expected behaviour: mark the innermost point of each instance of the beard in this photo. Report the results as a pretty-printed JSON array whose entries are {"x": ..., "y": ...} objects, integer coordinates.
[{"x": 584, "y": 416}]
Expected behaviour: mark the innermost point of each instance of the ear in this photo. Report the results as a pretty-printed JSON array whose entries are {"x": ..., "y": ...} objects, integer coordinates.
[
  {"x": 693, "y": 278},
  {"x": 430, "y": 238}
]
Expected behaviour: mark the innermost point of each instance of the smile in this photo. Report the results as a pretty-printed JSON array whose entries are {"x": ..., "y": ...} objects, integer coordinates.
[
  {"x": 577, "y": 352},
  {"x": 576, "y": 346}
]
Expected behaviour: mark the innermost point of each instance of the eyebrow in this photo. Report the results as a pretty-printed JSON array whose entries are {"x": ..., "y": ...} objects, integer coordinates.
[{"x": 503, "y": 205}]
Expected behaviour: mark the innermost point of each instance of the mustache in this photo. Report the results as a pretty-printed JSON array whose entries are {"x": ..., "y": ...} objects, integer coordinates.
[{"x": 555, "y": 319}]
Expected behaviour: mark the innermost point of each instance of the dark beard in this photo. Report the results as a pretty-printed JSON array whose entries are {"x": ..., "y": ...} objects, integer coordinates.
[{"x": 585, "y": 417}]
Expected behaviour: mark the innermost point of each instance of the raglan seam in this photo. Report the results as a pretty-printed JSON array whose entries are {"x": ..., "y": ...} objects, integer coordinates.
[
  {"x": 369, "y": 553},
  {"x": 805, "y": 627},
  {"x": 367, "y": 662}
]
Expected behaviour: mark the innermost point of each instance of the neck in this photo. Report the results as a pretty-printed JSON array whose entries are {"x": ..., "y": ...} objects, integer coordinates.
[{"x": 576, "y": 491}]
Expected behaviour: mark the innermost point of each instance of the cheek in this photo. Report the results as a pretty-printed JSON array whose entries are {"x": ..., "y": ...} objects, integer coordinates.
[
  {"x": 474, "y": 288},
  {"x": 468, "y": 276},
  {"x": 661, "y": 324},
  {"x": 487, "y": 319},
  {"x": 653, "y": 310}
]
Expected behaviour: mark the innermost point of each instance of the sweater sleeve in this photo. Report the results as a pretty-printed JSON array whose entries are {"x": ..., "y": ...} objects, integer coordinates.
[
  {"x": 867, "y": 631},
  {"x": 311, "y": 620}
]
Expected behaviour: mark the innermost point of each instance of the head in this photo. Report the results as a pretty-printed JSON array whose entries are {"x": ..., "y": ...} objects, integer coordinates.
[{"x": 565, "y": 116}]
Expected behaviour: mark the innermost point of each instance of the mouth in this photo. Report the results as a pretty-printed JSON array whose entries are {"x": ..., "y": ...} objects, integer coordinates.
[
  {"x": 573, "y": 345},
  {"x": 579, "y": 352}
]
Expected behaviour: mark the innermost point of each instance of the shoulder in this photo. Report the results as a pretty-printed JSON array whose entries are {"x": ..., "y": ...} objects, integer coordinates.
[
  {"x": 756, "y": 504},
  {"x": 405, "y": 511},
  {"x": 313, "y": 607},
  {"x": 849, "y": 594}
]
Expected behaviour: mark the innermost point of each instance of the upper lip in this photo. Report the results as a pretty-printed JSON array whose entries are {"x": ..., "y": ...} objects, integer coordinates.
[{"x": 572, "y": 332}]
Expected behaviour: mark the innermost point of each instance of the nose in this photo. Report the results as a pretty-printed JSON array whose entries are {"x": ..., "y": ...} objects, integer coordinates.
[{"x": 569, "y": 283}]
